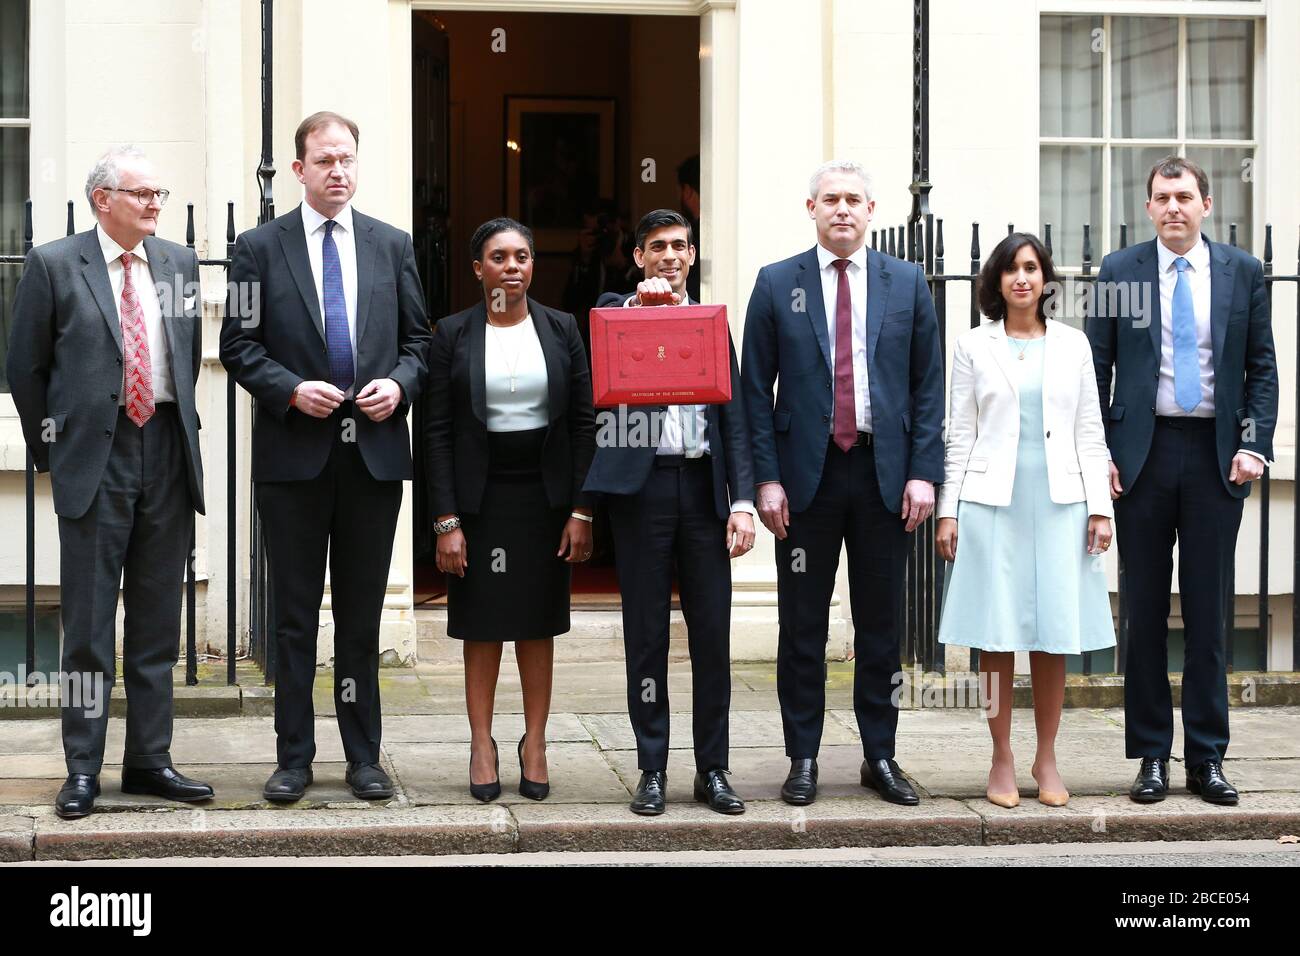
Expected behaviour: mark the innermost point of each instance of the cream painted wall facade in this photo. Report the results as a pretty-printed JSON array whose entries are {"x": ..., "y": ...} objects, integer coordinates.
[{"x": 783, "y": 85}]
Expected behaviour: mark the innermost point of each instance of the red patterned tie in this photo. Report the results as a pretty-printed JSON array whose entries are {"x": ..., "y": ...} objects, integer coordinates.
[
  {"x": 846, "y": 414},
  {"x": 137, "y": 373}
]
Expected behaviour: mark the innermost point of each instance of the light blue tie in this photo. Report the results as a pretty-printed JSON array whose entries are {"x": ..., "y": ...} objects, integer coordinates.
[
  {"x": 337, "y": 339},
  {"x": 1187, "y": 360}
]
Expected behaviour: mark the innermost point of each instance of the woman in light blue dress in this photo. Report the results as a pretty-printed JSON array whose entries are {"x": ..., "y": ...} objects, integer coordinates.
[{"x": 1026, "y": 482}]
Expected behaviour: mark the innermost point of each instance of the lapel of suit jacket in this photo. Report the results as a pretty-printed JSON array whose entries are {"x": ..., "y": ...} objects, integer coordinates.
[
  {"x": 1223, "y": 272},
  {"x": 477, "y": 335},
  {"x": 809, "y": 278},
  {"x": 363, "y": 236},
  {"x": 1147, "y": 268},
  {"x": 293, "y": 239},
  {"x": 549, "y": 338},
  {"x": 171, "y": 286},
  {"x": 997, "y": 343},
  {"x": 96, "y": 272},
  {"x": 877, "y": 297}
]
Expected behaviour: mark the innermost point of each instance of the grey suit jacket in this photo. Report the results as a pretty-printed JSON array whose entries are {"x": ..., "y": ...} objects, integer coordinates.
[{"x": 65, "y": 360}]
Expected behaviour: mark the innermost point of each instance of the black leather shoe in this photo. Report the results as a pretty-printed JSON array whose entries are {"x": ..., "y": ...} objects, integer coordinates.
[
  {"x": 886, "y": 778},
  {"x": 1208, "y": 780},
  {"x": 800, "y": 787},
  {"x": 287, "y": 784},
  {"x": 487, "y": 792},
  {"x": 164, "y": 782},
  {"x": 712, "y": 788},
  {"x": 1152, "y": 781},
  {"x": 368, "y": 781},
  {"x": 649, "y": 797},
  {"x": 530, "y": 788},
  {"x": 77, "y": 795}
]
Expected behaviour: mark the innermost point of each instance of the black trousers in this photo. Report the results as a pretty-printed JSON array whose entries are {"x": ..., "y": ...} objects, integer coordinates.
[
  {"x": 1179, "y": 495},
  {"x": 135, "y": 534},
  {"x": 672, "y": 521},
  {"x": 347, "y": 514},
  {"x": 847, "y": 510}
]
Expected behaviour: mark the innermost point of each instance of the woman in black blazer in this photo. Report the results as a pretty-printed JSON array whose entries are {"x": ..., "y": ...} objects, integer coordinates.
[{"x": 509, "y": 434}]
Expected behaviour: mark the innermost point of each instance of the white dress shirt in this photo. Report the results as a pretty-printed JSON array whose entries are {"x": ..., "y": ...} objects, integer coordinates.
[
  {"x": 515, "y": 352},
  {"x": 678, "y": 417},
  {"x": 346, "y": 243},
  {"x": 145, "y": 290},
  {"x": 857, "y": 273}
]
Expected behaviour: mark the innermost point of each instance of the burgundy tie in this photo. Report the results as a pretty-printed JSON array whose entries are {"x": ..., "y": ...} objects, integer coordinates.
[{"x": 846, "y": 415}]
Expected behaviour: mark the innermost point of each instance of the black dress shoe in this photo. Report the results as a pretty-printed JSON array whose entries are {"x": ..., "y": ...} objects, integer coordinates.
[
  {"x": 77, "y": 795},
  {"x": 649, "y": 797},
  {"x": 885, "y": 777},
  {"x": 712, "y": 788},
  {"x": 530, "y": 788},
  {"x": 287, "y": 784},
  {"x": 1208, "y": 780},
  {"x": 164, "y": 782},
  {"x": 368, "y": 781},
  {"x": 1152, "y": 781},
  {"x": 800, "y": 787},
  {"x": 487, "y": 792}
]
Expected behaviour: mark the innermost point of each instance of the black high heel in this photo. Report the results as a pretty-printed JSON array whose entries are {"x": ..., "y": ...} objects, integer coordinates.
[
  {"x": 530, "y": 788},
  {"x": 487, "y": 792}
]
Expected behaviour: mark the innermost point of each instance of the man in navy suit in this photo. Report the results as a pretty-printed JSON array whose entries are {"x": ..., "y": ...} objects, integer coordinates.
[
  {"x": 1190, "y": 425},
  {"x": 679, "y": 494},
  {"x": 847, "y": 454}
]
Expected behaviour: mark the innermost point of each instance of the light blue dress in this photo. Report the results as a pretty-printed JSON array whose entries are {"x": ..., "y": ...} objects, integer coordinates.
[{"x": 1023, "y": 579}]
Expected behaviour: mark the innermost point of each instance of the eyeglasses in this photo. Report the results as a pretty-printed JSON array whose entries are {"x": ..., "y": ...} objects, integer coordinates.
[{"x": 145, "y": 196}]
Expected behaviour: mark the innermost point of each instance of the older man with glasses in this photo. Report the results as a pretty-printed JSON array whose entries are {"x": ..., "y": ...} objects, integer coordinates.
[{"x": 103, "y": 357}]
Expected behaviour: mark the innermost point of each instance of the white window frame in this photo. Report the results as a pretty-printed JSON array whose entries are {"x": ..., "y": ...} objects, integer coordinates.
[{"x": 1182, "y": 11}]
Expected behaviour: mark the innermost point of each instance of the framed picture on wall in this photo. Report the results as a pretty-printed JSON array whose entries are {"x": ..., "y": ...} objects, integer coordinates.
[{"x": 559, "y": 164}]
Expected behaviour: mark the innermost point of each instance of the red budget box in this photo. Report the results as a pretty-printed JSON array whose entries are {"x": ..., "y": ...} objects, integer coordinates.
[{"x": 660, "y": 355}]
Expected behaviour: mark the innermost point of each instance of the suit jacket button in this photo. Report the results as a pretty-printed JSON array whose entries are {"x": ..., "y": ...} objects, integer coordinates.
[
  {"x": 108, "y": 433},
  {"x": 1153, "y": 408},
  {"x": 826, "y": 418},
  {"x": 1049, "y": 434},
  {"x": 113, "y": 397}
]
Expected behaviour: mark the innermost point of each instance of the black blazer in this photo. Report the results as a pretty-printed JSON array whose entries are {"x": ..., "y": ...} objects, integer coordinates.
[
  {"x": 272, "y": 341},
  {"x": 1126, "y": 349},
  {"x": 622, "y": 470},
  {"x": 455, "y": 411}
]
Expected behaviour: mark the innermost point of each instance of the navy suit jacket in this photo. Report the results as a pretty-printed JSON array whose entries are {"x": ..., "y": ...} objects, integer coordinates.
[
  {"x": 621, "y": 470},
  {"x": 1126, "y": 350},
  {"x": 786, "y": 335}
]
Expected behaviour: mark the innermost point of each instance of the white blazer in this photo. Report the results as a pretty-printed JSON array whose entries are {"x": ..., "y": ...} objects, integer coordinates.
[{"x": 983, "y": 428}]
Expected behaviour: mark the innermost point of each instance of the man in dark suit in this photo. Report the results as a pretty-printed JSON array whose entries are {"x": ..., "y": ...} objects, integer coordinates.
[
  {"x": 334, "y": 353},
  {"x": 105, "y": 351},
  {"x": 679, "y": 483},
  {"x": 848, "y": 454},
  {"x": 1181, "y": 327}
]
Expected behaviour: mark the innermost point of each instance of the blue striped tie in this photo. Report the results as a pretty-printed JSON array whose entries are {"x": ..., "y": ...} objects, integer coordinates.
[
  {"x": 337, "y": 339},
  {"x": 1187, "y": 360}
]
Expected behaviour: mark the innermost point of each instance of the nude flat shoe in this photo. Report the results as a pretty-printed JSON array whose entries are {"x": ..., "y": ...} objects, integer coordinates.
[{"x": 1007, "y": 800}]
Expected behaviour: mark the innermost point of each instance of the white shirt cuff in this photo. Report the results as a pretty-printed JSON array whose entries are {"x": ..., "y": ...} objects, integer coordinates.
[
  {"x": 745, "y": 505},
  {"x": 1244, "y": 451}
]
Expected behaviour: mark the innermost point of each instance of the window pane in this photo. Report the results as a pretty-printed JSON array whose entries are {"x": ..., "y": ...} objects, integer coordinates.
[
  {"x": 1144, "y": 77},
  {"x": 1129, "y": 167},
  {"x": 13, "y": 194},
  {"x": 1220, "y": 71},
  {"x": 13, "y": 59},
  {"x": 1069, "y": 195},
  {"x": 1069, "y": 76},
  {"x": 1230, "y": 172}
]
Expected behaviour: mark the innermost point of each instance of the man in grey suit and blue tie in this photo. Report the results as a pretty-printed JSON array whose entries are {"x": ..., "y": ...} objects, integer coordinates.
[
  {"x": 1189, "y": 426},
  {"x": 103, "y": 359}
]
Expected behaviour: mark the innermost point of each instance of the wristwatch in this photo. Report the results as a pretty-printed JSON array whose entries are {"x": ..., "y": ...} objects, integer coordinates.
[{"x": 442, "y": 527}]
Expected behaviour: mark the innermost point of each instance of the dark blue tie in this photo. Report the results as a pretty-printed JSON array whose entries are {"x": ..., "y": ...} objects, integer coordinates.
[{"x": 337, "y": 339}]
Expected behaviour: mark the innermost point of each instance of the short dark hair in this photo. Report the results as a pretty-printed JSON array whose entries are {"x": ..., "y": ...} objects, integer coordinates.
[
  {"x": 657, "y": 219},
  {"x": 688, "y": 172},
  {"x": 317, "y": 121},
  {"x": 1002, "y": 259},
  {"x": 494, "y": 226},
  {"x": 1174, "y": 166}
]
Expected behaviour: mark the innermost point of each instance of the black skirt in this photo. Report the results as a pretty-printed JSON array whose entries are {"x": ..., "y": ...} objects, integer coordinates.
[{"x": 515, "y": 588}]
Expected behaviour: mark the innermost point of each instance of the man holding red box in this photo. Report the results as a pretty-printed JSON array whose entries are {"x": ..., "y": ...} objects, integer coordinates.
[
  {"x": 679, "y": 489},
  {"x": 846, "y": 454}
]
